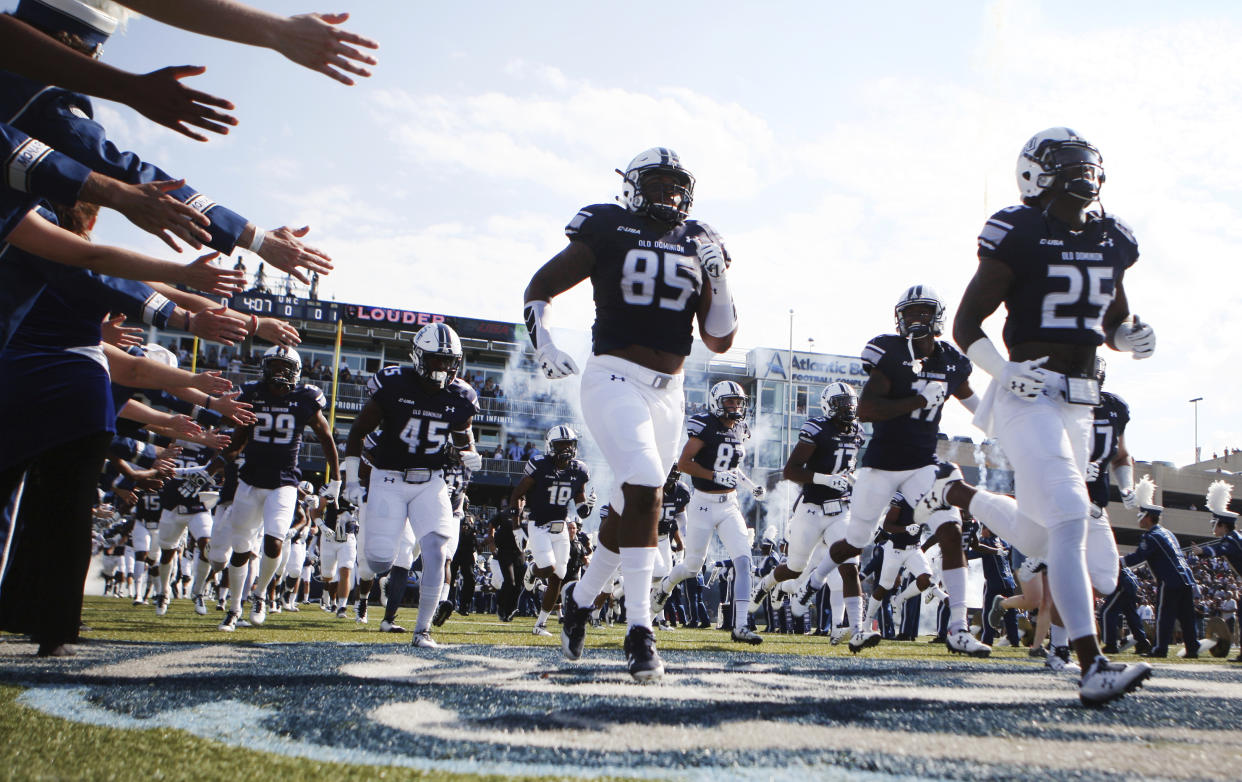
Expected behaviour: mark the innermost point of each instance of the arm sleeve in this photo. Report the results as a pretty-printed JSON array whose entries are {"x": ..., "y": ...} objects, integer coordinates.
[{"x": 32, "y": 167}]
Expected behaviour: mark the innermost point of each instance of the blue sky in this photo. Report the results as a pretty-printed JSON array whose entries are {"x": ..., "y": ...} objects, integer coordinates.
[{"x": 844, "y": 151}]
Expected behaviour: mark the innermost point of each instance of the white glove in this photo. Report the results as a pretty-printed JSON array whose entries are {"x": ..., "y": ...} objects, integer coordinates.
[
  {"x": 1092, "y": 472},
  {"x": 555, "y": 362},
  {"x": 832, "y": 480},
  {"x": 1129, "y": 499},
  {"x": 934, "y": 393},
  {"x": 471, "y": 460},
  {"x": 726, "y": 478},
  {"x": 330, "y": 490},
  {"x": 711, "y": 258},
  {"x": 353, "y": 492},
  {"x": 1135, "y": 337},
  {"x": 1024, "y": 379},
  {"x": 759, "y": 492}
]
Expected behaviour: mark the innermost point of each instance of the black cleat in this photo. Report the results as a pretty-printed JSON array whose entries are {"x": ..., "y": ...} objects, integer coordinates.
[
  {"x": 640, "y": 652},
  {"x": 573, "y": 623},
  {"x": 443, "y": 611}
]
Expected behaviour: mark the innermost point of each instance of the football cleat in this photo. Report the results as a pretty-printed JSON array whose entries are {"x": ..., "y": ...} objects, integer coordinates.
[
  {"x": 962, "y": 642},
  {"x": 1037, "y": 652},
  {"x": 138, "y": 601},
  {"x": 541, "y": 630},
  {"x": 390, "y": 627},
  {"x": 659, "y": 596},
  {"x": 573, "y": 623},
  {"x": 424, "y": 640},
  {"x": 838, "y": 635},
  {"x": 947, "y": 473},
  {"x": 864, "y": 640},
  {"x": 929, "y": 596},
  {"x": 745, "y": 635},
  {"x": 292, "y": 606},
  {"x": 640, "y": 652},
  {"x": 273, "y": 607},
  {"x": 443, "y": 611},
  {"x": 230, "y": 622},
  {"x": 805, "y": 594},
  {"x": 1105, "y": 681},
  {"x": 360, "y": 612},
  {"x": 996, "y": 615},
  {"x": 200, "y": 606},
  {"x": 1059, "y": 661},
  {"x": 161, "y": 604},
  {"x": 258, "y": 609},
  {"x": 341, "y": 612}
]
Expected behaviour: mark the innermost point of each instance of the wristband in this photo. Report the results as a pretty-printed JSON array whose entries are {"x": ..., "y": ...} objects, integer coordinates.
[
  {"x": 256, "y": 243},
  {"x": 349, "y": 470},
  {"x": 254, "y": 324}
]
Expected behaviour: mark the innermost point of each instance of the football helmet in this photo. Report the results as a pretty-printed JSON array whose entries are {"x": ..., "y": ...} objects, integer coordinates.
[
  {"x": 1051, "y": 153},
  {"x": 726, "y": 389},
  {"x": 436, "y": 353},
  {"x": 670, "y": 482},
  {"x": 306, "y": 487},
  {"x": 839, "y": 403},
  {"x": 562, "y": 444},
  {"x": 919, "y": 294},
  {"x": 1101, "y": 367},
  {"x": 282, "y": 366},
  {"x": 645, "y": 198},
  {"x": 160, "y": 353}
]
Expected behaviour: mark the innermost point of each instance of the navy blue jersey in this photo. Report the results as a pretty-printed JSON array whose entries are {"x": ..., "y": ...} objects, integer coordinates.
[
  {"x": 1111, "y": 416},
  {"x": 836, "y": 451},
  {"x": 548, "y": 500},
  {"x": 182, "y": 491},
  {"x": 417, "y": 421},
  {"x": 674, "y": 504},
  {"x": 908, "y": 441},
  {"x": 1064, "y": 280},
  {"x": 458, "y": 479},
  {"x": 722, "y": 449},
  {"x": 1160, "y": 550},
  {"x": 276, "y": 437},
  {"x": 647, "y": 280},
  {"x": 1127, "y": 582},
  {"x": 149, "y": 508},
  {"x": 1229, "y": 547},
  {"x": 996, "y": 569},
  {"x": 905, "y": 518}
]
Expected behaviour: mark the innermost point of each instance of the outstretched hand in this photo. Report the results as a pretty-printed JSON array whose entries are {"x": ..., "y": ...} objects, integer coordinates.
[
  {"x": 314, "y": 41},
  {"x": 161, "y": 97}
]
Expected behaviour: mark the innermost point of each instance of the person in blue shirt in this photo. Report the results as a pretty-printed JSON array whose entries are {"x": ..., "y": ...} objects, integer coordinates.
[{"x": 1176, "y": 589}]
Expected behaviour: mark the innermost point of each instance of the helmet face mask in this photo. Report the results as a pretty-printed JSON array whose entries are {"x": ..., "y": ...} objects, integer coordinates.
[
  {"x": 436, "y": 354},
  {"x": 839, "y": 403},
  {"x": 1101, "y": 367},
  {"x": 670, "y": 483},
  {"x": 658, "y": 186},
  {"x": 282, "y": 367},
  {"x": 914, "y": 327},
  {"x": 562, "y": 445},
  {"x": 1058, "y": 160},
  {"x": 720, "y": 394}
]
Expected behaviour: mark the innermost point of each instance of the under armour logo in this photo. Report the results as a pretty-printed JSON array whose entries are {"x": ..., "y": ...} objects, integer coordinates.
[
  {"x": 703, "y": 509},
  {"x": 617, "y": 377},
  {"x": 390, "y": 480}
]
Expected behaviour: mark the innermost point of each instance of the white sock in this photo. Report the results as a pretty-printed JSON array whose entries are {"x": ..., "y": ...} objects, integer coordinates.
[
  {"x": 854, "y": 608},
  {"x": 1058, "y": 636},
  {"x": 599, "y": 573},
  {"x": 237, "y": 578},
  {"x": 873, "y": 608},
  {"x": 201, "y": 568},
  {"x": 910, "y": 591},
  {"x": 836, "y": 601},
  {"x": 166, "y": 573},
  {"x": 267, "y": 569},
  {"x": 543, "y": 618},
  {"x": 636, "y": 567},
  {"x": 955, "y": 584}
]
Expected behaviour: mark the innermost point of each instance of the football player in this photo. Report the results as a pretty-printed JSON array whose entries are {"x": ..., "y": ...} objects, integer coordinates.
[
  {"x": 267, "y": 488},
  {"x": 714, "y": 449},
  {"x": 425, "y": 411},
  {"x": 654, "y": 272},
  {"x": 1109, "y": 456},
  {"x": 1058, "y": 267},
  {"x": 554, "y": 483},
  {"x": 338, "y": 550},
  {"x": 823, "y": 463},
  {"x": 901, "y": 538},
  {"x": 910, "y": 375},
  {"x": 184, "y": 510},
  {"x": 676, "y": 498},
  {"x": 296, "y": 544}
]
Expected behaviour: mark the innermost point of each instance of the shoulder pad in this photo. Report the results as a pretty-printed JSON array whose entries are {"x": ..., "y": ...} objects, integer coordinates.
[
  {"x": 463, "y": 389},
  {"x": 1124, "y": 228},
  {"x": 589, "y": 214},
  {"x": 1001, "y": 223}
]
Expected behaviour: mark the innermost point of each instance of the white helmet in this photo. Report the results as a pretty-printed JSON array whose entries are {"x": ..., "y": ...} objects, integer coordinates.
[
  {"x": 562, "y": 444},
  {"x": 919, "y": 294},
  {"x": 839, "y": 402},
  {"x": 160, "y": 353},
  {"x": 306, "y": 487},
  {"x": 282, "y": 366},
  {"x": 437, "y": 339},
  {"x": 657, "y": 160},
  {"x": 1051, "y": 151},
  {"x": 726, "y": 389}
]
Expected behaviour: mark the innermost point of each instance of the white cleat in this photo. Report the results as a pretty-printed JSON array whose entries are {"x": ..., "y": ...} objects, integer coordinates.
[
  {"x": 864, "y": 640},
  {"x": 745, "y": 635},
  {"x": 230, "y": 622},
  {"x": 541, "y": 630},
  {"x": 200, "y": 606},
  {"x": 947, "y": 473},
  {"x": 424, "y": 640},
  {"x": 962, "y": 642},
  {"x": 658, "y": 598},
  {"x": 1059, "y": 661},
  {"x": 258, "y": 610},
  {"x": 1105, "y": 681},
  {"x": 838, "y": 635}
]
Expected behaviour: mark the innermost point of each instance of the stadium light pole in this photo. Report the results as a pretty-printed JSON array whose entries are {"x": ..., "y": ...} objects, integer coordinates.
[{"x": 1196, "y": 402}]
